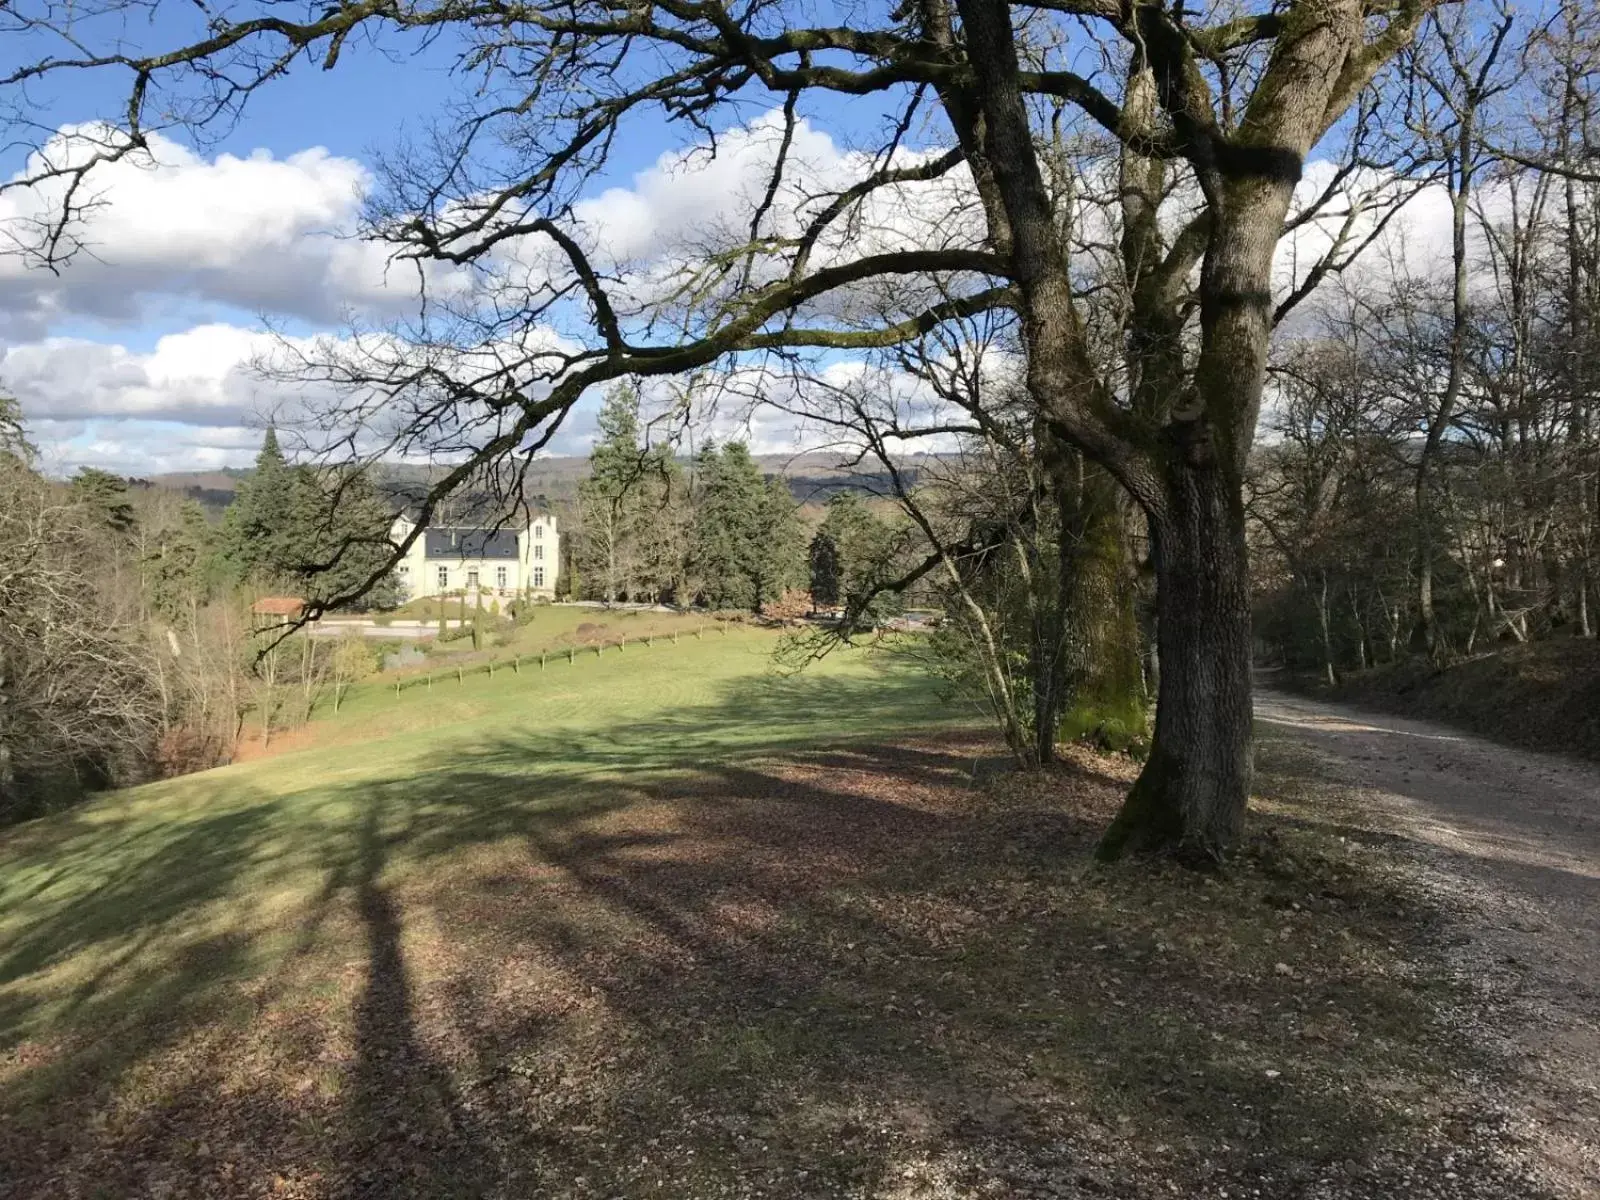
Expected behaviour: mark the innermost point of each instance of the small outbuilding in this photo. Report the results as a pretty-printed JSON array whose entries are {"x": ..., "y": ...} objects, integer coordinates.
[{"x": 278, "y": 606}]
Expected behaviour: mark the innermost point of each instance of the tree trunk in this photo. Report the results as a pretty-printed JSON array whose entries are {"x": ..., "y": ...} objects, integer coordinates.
[
  {"x": 1105, "y": 689},
  {"x": 1330, "y": 675},
  {"x": 1190, "y": 798},
  {"x": 1363, "y": 656},
  {"x": 1048, "y": 653},
  {"x": 8, "y": 775}
]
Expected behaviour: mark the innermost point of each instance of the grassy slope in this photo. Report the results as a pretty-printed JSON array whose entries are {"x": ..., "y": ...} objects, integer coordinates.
[
  {"x": 98, "y": 906},
  {"x": 1544, "y": 696},
  {"x": 595, "y": 690},
  {"x": 661, "y": 924},
  {"x": 559, "y": 627}
]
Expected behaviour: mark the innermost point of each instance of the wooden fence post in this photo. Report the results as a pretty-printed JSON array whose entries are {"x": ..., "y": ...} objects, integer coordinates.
[
  {"x": 516, "y": 665},
  {"x": 458, "y": 676}
]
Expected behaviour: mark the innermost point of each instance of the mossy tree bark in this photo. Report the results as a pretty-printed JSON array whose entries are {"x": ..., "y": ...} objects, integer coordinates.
[{"x": 1100, "y": 628}]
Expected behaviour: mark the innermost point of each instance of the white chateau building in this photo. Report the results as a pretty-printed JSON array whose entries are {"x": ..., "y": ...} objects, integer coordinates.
[{"x": 493, "y": 562}]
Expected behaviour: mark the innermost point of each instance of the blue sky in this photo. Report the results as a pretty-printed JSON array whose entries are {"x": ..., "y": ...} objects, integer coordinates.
[
  {"x": 123, "y": 361},
  {"x": 138, "y": 358}
]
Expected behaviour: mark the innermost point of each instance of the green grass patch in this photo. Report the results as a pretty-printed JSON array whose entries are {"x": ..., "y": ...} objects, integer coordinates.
[
  {"x": 664, "y": 923},
  {"x": 107, "y": 910}
]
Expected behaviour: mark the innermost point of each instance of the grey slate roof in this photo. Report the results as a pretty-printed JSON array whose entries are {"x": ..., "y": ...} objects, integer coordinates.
[{"x": 470, "y": 543}]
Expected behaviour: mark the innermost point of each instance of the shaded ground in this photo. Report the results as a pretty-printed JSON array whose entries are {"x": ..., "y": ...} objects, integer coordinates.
[
  {"x": 1541, "y": 696},
  {"x": 1510, "y": 843},
  {"x": 880, "y": 970}
]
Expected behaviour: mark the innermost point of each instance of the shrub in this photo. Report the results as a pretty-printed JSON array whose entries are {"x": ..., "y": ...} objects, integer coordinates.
[
  {"x": 792, "y": 606},
  {"x": 183, "y": 750}
]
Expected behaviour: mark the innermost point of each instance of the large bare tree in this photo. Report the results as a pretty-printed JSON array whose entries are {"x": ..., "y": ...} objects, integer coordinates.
[{"x": 1212, "y": 118}]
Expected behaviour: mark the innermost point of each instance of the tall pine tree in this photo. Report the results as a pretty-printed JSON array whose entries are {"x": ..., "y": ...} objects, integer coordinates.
[
  {"x": 338, "y": 538},
  {"x": 319, "y": 535},
  {"x": 178, "y": 567},
  {"x": 746, "y": 543},
  {"x": 104, "y": 497},
  {"x": 256, "y": 542},
  {"x": 779, "y": 547},
  {"x": 850, "y": 552},
  {"x": 617, "y": 502}
]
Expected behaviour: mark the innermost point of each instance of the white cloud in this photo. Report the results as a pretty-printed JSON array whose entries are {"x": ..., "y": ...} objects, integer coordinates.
[
  {"x": 1414, "y": 245},
  {"x": 259, "y": 233},
  {"x": 142, "y": 448},
  {"x": 201, "y": 376},
  {"x": 198, "y": 399},
  {"x": 271, "y": 234},
  {"x": 650, "y": 238}
]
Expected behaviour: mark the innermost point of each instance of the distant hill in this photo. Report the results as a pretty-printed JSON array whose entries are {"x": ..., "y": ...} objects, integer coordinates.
[
  {"x": 213, "y": 489},
  {"x": 812, "y": 478}
]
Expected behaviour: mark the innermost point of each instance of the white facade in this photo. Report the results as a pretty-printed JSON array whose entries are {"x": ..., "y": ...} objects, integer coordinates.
[{"x": 454, "y": 560}]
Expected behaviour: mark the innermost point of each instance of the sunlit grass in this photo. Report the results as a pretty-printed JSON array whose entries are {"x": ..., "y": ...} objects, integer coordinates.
[{"x": 95, "y": 904}]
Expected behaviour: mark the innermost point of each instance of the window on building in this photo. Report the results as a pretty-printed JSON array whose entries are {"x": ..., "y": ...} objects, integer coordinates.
[
  {"x": 538, "y": 577},
  {"x": 444, "y": 578},
  {"x": 404, "y": 570},
  {"x": 538, "y": 531},
  {"x": 538, "y": 551},
  {"x": 472, "y": 579},
  {"x": 500, "y": 578}
]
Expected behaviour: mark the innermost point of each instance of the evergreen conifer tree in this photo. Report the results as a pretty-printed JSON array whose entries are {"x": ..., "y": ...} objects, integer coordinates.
[
  {"x": 823, "y": 557},
  {"x": 746, "y": 545},
  {"x": 860, "y": 544},
  {"x": 257, "y": 529},
  {"x": 104, "y": 497}
]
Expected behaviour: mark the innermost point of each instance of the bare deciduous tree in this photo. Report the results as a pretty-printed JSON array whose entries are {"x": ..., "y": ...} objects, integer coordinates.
[{"x": 77, "y": 704}]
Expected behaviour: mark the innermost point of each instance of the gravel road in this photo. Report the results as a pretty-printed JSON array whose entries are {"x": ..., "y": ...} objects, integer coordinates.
[{"x": 1510, "y": 842}]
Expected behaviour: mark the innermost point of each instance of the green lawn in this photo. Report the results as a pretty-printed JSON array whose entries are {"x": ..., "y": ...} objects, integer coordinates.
[
  {"x": 107, "y": 911},
  {"x": 649, "y": 703},
  {"x": 661, "y": 923},
  {"x": 553, "y": 625},
  {"x": 152, "y": 922}
]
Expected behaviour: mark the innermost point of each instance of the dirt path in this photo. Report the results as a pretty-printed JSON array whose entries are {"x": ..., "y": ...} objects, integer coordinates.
[{"x": 1510, "y": 841}]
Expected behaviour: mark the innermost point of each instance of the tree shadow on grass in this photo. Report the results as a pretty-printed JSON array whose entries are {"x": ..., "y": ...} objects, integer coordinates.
[
  {"x": 829, "y": 979},
  {"x": 404, "y": 1131},
  {"x": 622, "y": 968}
]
